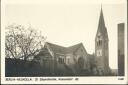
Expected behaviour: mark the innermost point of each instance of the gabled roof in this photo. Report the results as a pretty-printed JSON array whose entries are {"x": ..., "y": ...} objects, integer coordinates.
[
  {"x": 63, "y": 50},
  {"x": 56, "y": 48},
  {"x": 73, "y": 48}
]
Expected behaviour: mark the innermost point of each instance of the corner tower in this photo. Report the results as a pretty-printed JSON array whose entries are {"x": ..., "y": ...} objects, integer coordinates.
[{"x": 101, "y": 46}]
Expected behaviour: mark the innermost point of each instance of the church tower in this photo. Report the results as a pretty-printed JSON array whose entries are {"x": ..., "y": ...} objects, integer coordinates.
[{"x": 101, "y": 46}]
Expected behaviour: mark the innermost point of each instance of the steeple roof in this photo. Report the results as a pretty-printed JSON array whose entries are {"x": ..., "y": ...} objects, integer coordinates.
[
  {"x": 101, "y": 26},
  {"x": 101, "y": 20}
]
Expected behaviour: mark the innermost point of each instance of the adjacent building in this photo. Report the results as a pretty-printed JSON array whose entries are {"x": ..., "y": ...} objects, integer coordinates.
[{"x": 121, "y": 44}]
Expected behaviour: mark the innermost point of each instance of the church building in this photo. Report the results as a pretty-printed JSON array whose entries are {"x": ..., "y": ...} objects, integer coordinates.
[
  {"x": 75, "y": 59},
  {"x": 68, "y": 60}
]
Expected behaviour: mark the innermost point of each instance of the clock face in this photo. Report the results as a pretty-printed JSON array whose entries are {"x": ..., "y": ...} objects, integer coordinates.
[
  {"x": 99, "y": 34},
  {"x": 99, "y": 37},
  {"x": 99, "y": 53}
]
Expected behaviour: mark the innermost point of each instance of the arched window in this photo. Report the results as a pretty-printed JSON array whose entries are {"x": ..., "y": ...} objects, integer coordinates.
[
  {"x": 61, "y": 60},
  {"x": 99, "y": 43},
  {"x": 81, "y": 62}
]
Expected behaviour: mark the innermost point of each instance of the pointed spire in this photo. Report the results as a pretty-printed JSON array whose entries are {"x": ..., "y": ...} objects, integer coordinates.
[
  {"x": 101, "y": 26},
  {"x": 101, "y": 19}
]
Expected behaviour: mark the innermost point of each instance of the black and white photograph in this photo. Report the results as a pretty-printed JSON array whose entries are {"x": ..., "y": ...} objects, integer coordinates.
[{"x": 64, "y": 39}]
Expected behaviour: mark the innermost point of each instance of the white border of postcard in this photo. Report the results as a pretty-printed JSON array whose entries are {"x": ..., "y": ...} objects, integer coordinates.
[{"x": 55, "y": 80}]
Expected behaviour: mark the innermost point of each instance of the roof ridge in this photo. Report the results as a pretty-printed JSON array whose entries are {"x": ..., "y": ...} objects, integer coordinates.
[
  {"x": 76, "y": 44},
  {"x": 61, "y": 49},
  {"x": 56, "y": 45},
  {"x": 64, "y": 46}
]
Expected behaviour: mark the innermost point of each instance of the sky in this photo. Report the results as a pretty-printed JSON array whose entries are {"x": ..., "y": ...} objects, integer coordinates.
[{"x": 69, "y": 22}]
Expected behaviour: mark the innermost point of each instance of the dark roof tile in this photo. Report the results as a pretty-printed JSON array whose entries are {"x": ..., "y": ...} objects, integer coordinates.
[{"x": 63, "y": 50}]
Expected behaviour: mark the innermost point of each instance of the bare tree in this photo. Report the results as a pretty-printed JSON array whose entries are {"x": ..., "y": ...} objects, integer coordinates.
[{"x": 22, "y": 43}]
